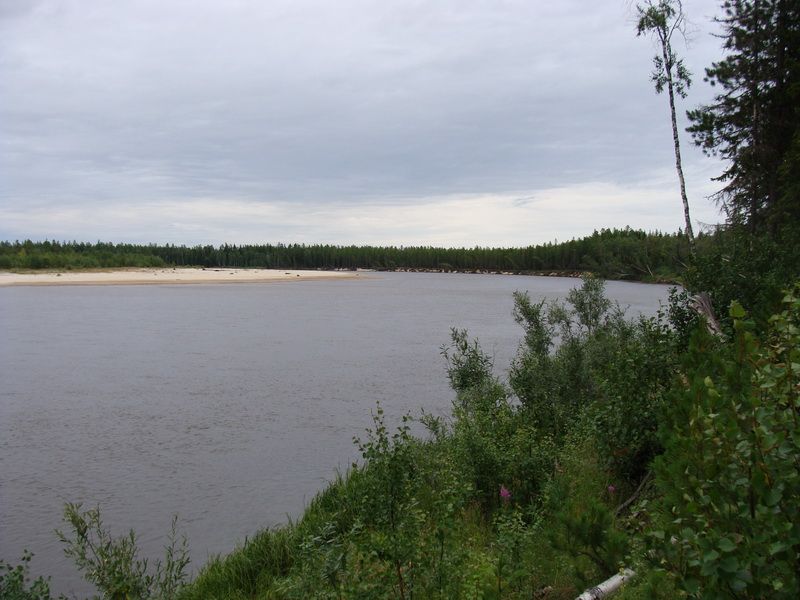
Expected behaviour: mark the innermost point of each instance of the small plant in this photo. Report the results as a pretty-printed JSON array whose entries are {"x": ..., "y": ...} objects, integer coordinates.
[
  {"x": 511, "y": 537},
  {"x": 15, "y": 583},
  {"x": 390, "y": 513},
  {"x": 323, "y": 561},
  {"x": 112, "y": 564}
]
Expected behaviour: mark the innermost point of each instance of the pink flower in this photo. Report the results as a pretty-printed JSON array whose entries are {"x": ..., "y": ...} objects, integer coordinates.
[
  {"x": 611, "y": 489},
  {"x": 504, "y": 493}
]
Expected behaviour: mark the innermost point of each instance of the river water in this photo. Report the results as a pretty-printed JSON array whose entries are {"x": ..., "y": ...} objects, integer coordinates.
[{"x": 229, "y": 405}]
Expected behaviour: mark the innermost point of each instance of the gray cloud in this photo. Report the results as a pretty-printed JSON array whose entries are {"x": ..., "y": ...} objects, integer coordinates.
[{"x": 347, "y": 103}]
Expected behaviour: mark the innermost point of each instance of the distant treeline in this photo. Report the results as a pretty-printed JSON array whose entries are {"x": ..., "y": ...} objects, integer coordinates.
[{"x": 612, "y": 253}]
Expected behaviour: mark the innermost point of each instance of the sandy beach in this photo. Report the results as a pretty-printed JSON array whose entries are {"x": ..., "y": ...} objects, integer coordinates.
[{"x": 168, "y": 276}]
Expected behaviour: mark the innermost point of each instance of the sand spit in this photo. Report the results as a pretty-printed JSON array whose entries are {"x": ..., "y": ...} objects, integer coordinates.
[{"x": 168, "y": 276}]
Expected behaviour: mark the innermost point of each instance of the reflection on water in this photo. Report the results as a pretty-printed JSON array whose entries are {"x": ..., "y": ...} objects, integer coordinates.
[{"x": 230, "y": 405}]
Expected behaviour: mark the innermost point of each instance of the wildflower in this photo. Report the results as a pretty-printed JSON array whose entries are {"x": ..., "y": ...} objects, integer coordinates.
[
  {"x": 504, "y": 493},
  {"x": 612, "y": 489}
]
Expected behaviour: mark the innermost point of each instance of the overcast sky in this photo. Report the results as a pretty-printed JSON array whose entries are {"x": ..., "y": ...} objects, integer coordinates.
[{"x": 444, "y": 122}]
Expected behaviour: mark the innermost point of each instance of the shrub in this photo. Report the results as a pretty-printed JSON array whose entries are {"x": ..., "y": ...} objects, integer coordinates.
[
  {"x": 112, "y": 564},
  {"x": 730, "y": 474},
  {"x": 15, "y": 583},
  {"x": 615, "y": 370}
]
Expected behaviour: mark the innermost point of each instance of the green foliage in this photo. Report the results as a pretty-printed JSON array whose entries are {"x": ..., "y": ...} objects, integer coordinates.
[
  {"x": 513, "y": 538},
  {"x": 532, "y": 318},
  {"x": 468, "y": 368},
  {"x": 590, "y": 533},
  {"x": 589, "y": 302},
  {"x": 15, "y": 583},
  {"x": 649, "y": 585},
  {"x": 554, "y": 388},
  {"x": 254, "y": 566},
  {"x": 112, "y": 564},
  {"x": 681, "y": 317},
  {"x": 582, "y": 528},
  {"x": 752, "y": 270},
  {"x": 662, "y": 19},
  {"x": 753, "y": 123},
  {"x": 442, "y": 496},
  {"x": 634, "y": 365},
  {"x": 391, "y": 518},
  {"x": 615, "y": 371},
  {"x": 491, "y": 443},
  {"x": 729, "y": 475}
]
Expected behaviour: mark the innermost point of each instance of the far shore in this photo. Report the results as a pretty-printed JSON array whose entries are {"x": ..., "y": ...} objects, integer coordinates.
[{"x": 167, "y": 276}]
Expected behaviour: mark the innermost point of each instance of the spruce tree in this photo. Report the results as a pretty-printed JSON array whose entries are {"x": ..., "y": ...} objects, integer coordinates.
[{"x": 754, "y": 120}]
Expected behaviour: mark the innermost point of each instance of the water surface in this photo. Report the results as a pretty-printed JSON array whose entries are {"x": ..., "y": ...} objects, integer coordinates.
[{"x": 230, "y": 405}]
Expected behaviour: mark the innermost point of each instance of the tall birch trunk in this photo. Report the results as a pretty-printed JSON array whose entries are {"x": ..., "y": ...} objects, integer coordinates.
[{"x": 676, "y": 141}]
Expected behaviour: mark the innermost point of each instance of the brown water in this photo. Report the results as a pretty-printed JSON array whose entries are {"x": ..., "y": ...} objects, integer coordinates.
[{"x": 230, "y": 405}]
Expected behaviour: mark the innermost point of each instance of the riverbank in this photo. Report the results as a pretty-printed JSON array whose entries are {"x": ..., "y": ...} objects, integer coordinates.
[{"x": 171, "y": 276}]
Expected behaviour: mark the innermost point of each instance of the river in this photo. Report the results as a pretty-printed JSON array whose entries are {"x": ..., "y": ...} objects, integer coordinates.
[{"x": 229, "y": 405}]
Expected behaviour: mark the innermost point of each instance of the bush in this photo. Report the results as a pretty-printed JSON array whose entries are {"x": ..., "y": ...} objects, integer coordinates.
[
  {"x": 614, "y": 370},
  {"x": 15, "y": 583},
  {"x": 734, "y": 265},
  {"x": 112, "y": 564},
  {"x": 729, "y": 475}
]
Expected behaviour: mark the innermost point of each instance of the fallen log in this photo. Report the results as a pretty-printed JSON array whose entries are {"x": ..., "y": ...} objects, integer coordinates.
[{"x": 608, "y": 587}]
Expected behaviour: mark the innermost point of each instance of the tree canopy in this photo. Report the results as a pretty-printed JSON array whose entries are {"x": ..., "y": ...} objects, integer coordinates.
[{"x": 754, "y": 121}]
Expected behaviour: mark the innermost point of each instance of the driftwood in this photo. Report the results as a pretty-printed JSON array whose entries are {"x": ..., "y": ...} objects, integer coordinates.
[
  {"x": 701, "y": 304},
  {"x": 608, "y": 587}
]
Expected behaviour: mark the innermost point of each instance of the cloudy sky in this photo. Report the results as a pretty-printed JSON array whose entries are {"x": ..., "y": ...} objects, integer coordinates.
[{"x": 445, "y": 122}]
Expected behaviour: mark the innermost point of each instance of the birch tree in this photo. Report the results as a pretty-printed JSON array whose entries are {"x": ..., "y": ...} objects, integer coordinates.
[{"x": 661, "y": 20}]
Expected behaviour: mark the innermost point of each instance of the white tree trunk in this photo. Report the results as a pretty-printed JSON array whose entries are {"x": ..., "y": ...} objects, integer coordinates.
[
  {"x": 676, "y": 140},
  {"x": 608, "y": 587}
]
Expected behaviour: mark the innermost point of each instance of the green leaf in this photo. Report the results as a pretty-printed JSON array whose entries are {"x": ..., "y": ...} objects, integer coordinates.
[
  {"x": 726, "y": 545},
  {"x": 729, "y": 564},
  {"x": 738, "y": 585},
  {"x": 692, "y": 586},
  {"x": 777, "y": 547},
  {"x": 711, "y": 556}
]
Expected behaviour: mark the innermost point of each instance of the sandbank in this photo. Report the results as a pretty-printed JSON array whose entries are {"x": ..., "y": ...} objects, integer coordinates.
[{"x": 168, "y": 276}]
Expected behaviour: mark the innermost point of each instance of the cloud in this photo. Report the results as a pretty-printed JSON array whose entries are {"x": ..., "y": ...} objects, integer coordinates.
[
  {"x": 494, "y": 219},
  {"x": 144, "y": 105}
]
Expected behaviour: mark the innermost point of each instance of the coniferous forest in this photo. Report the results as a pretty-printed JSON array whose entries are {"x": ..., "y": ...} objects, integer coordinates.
[
  {"x": 666, "y": 449},
  {"x": 617, "y": 254}
]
